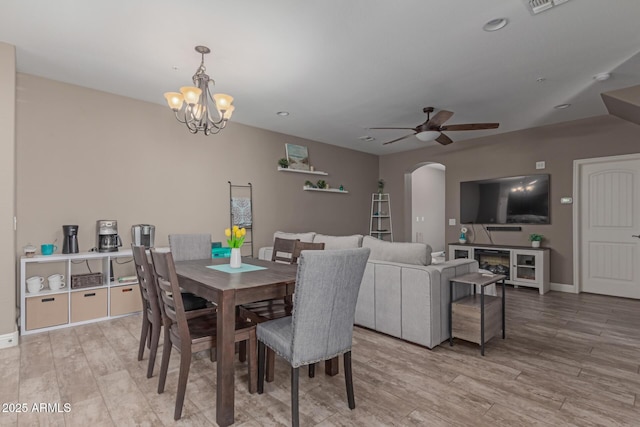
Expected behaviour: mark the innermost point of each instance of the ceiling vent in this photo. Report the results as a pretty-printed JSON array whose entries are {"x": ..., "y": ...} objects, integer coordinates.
[{"x": 537, "y": 6}]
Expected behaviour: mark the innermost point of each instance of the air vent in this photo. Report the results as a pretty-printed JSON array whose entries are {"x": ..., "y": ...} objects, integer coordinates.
[{"x": 537, "y": 6}]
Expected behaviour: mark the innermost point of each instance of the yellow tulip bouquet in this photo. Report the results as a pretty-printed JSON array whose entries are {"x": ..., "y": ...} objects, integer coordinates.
[{"x": 235, "y": 236}]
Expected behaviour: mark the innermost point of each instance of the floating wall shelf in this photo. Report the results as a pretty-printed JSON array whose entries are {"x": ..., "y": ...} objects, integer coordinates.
[
  {"x": 280, "y": 169},
  {"x": 327, "y": 190}
]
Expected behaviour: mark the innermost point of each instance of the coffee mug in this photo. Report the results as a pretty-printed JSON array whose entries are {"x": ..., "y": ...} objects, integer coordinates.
[
  {"x": 48, "y": 248},
  {"x": 35, "y": 284},
  {"x": 56, "y": 282}
]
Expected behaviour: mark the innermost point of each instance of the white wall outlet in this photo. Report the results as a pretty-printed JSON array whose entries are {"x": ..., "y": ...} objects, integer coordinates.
[
  {"x": 452, "y": 221},
  {"x": 540, "y": 165},
  {"x": 422, "y": 219},
  {"x": 566, "y": 200}
]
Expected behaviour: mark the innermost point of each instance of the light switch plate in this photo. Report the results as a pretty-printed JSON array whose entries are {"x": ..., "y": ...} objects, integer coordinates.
[
  {"x": 540, "y": 165},
  {"x": 566, "y": 200},
  {"x": 452, "y": 221}
]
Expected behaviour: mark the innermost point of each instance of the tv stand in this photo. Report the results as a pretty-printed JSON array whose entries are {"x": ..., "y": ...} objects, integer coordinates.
[{"x": 522, "y": 265}]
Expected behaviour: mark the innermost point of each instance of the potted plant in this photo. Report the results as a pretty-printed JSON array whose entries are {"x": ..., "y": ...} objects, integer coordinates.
[
  {"x": 322, "y": 184},
  {"x": 309, "y": 184},
  {"x": 535, "y": 239},
  {"x": 380, "y": 185},
  {"x": 283, "y": 163}
]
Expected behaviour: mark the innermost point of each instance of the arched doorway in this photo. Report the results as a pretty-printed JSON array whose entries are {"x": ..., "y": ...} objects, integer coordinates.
[{"x": 425, "y": 185}]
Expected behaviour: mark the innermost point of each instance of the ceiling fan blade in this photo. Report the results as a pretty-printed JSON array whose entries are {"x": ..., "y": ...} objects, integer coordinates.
[
  {"x": 472, "y": 126},
  {"x": 393, "y": 128},
  {"x": 441, "y": 116},
  {"x": 398, "y": 139},
  {"x": 444, "y": 139}
]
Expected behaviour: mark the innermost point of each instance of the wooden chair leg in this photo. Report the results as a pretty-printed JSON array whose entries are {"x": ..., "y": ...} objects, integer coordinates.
[
  {"x": 348, "y": 379},
  {"x": 295, "y": 416},
  {"x": 149, "y": 336},
  {"x": 312, "y": 370},
  {"x": 271, "y": 365},
  {"x": 260, "y": 367},
  {"x": 185, "y": 364},
  {"x": 253, "y": 374},
  {"x": 242, "y": 351},
  {"x": 143, "y": 335},
  {"x": 155, "y": 338},
  {"x": 164, "y": 365}
]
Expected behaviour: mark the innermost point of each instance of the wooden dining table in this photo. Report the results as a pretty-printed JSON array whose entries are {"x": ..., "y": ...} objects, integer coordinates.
[{"x": 229, "y": 290}]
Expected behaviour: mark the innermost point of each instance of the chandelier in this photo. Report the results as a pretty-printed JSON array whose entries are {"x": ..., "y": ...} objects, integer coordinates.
[{"x": 194, "y": 104}]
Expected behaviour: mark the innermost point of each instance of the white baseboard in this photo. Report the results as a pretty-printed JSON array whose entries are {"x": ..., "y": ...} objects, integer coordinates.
[
  {"x": 562, "y": 287},
  {"x": 9, "y": 340}
]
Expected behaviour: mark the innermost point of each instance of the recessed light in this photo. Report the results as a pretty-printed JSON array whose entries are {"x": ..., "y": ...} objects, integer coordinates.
[
  {"x": 602, "y": 77},
  {"x": 541, "y": 79},
  {"x": 495, "y": 24},
  {"x": 175, "y": 68},
  {"x": 366, "y": 138},
  {"x": 562, "y": 106},
  {"x": 283, "y": 113}
]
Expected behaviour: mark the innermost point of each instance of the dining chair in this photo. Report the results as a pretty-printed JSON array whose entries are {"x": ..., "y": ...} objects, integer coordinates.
[
  {"x": 189, "y": 247},
  {"x": 321, "y": 326},
  {"x": 283, "y": 250},
  {"x": 151, "y": 313},
  {"x": 263, "y": 311},
  {"x": 190, "y": 332}
]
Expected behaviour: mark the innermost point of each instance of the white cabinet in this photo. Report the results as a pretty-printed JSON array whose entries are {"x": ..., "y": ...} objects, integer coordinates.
[
  {"x": 523, "y": 266},
  {"x": 52, "y": 309}
]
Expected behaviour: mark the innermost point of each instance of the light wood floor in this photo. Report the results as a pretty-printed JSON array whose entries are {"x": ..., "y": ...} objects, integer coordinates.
[{"x": 567, "y": 360}]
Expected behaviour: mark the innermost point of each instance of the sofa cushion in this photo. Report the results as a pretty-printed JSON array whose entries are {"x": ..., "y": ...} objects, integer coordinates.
[
  {"x": 303, "y": 237},
  {"x": 339, "y": 242},
  {"x": 405, "y": 253}
]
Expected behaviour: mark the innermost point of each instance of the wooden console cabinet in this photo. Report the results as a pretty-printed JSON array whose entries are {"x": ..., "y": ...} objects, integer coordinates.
[
  {"x": 52, "y": 309},
  {"x": 523, "y": 265}
]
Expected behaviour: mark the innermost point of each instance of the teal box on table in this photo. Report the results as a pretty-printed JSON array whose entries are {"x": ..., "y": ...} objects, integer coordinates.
[{"x": 217, "y": 251}]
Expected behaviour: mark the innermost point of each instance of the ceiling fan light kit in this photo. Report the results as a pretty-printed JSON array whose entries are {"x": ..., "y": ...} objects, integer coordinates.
[
  {"x": 193, "y": 104},
  {"x": 428, "y": 135}
]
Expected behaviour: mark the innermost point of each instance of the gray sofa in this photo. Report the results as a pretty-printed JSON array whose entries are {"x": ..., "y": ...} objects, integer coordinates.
[{"x": 402, "y": 294}]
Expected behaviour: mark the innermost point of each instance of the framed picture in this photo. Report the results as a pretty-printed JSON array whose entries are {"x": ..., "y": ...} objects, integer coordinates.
[{"x": 298, "y": 157}]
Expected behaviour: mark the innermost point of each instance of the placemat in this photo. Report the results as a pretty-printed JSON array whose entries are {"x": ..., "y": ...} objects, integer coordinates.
[{"x": 225, "y": 268}]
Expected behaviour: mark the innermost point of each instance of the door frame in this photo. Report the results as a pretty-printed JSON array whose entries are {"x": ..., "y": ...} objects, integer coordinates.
[{"x": 577, "y": 187}]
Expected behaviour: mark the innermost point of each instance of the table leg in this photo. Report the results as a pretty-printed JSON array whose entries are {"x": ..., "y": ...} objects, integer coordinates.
[
  {"x": 450, "y": 314},
  {"x": 331, "y": 366},
  {"x": 504, "y": 324},
  {"x": 481, "y": 320},
  {"x": 225, "y": 353}
]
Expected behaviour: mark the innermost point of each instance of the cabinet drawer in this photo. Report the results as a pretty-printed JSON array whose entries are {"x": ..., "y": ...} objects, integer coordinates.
[
  {"x": 125, "y": 299},
  {"x": 47, "y": 310},
  {"x": 87, "y": 305}
]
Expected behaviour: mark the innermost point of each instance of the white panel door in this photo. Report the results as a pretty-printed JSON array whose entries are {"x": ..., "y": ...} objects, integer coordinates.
[{"x": 610, "y": 218}]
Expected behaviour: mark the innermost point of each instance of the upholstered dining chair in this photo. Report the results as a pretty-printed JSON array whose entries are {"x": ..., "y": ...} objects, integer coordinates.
[
  {"x": 263, "y": 311},
  {"x": 188, "y": 247},
  {"x": 190, "y": 332},
  {"x": 151, "y": 312},
  {"x": 321, "y": 326}
]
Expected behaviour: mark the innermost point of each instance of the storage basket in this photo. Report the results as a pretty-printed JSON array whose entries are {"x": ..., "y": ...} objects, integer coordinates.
[{"x": 86, "y": 280}]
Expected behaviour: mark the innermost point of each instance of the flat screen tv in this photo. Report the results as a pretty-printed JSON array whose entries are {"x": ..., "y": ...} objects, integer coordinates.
[{"x": 511, "y": 200}]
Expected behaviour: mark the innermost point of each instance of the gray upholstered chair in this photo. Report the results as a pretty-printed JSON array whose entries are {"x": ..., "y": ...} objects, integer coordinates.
[
  {"x": 321, "y": 326},
  {"x": 188, "y": 247}
]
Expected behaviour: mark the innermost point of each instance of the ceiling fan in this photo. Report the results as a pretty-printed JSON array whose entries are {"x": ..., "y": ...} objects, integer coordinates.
[{"x": 432, "y": 128}]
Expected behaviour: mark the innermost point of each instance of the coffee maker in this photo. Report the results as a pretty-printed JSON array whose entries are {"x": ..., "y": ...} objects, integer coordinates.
[
  {"x": 107, "y": 238},
  {"x": 143, "y": 235},
  {"x": 70, "y": 235}
]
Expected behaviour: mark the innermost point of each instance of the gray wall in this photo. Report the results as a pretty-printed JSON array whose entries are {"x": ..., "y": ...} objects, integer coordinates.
[
  {"x": 515, "y": 153},
  {"x": 7, "y": 187},
  {"x": 85, "y": 155},
  {"x": 428, "y": 201}
]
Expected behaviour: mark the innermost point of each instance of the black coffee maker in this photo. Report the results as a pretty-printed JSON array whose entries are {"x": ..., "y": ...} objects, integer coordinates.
[{"x": 70, "y": 244}]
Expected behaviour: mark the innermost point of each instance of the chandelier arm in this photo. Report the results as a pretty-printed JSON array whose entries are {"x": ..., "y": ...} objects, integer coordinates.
[
  {"x": 183, "y": 121},
  {"x": 214, "y": 122}
]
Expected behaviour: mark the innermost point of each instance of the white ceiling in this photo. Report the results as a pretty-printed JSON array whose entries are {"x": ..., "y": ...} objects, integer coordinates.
[{"x": 341, "y": 66}]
